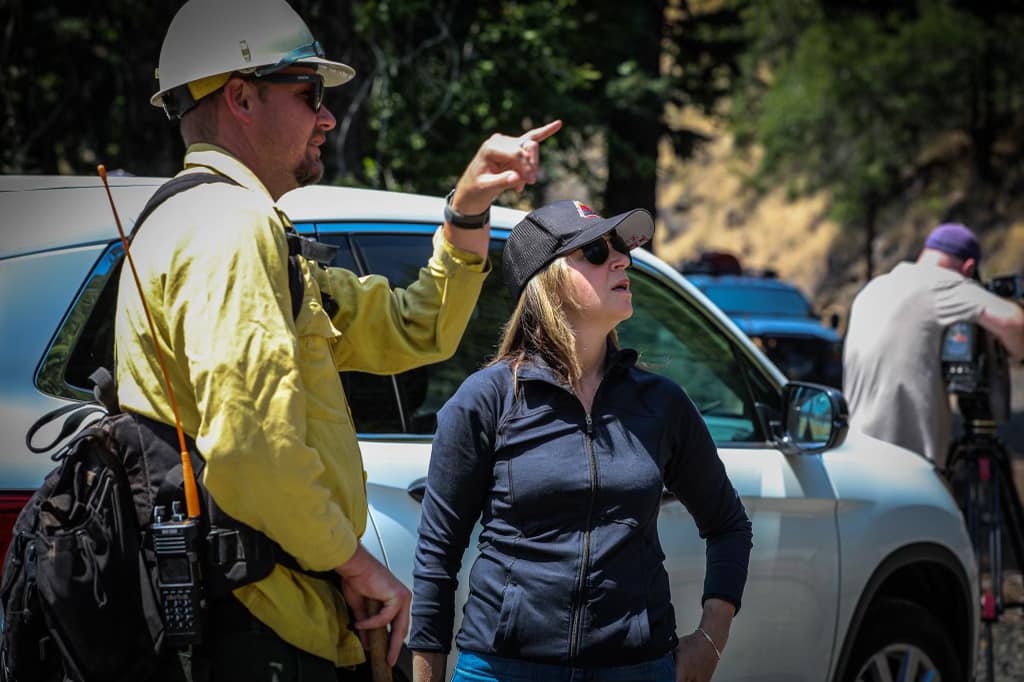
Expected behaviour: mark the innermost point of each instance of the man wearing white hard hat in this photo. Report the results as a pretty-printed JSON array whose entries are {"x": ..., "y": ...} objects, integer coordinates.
[{"x": 256, "y": 377}]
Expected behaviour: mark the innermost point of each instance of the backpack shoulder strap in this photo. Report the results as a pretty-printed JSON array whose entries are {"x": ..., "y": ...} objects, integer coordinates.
[
  {"x": 312, "y": 250},
  {"x": 296, "y": 284},
  {"x": 180, "y": 183},
  {"x": 177, "y": 185}
]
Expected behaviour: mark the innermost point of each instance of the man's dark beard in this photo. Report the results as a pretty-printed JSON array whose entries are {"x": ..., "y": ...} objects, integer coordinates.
[{"x": 309, "y": 173}]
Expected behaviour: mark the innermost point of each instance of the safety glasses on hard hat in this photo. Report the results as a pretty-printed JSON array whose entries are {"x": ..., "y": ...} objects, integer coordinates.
[
  {"x": 314, "y": 96},
  {"x": 597, "y": 251},
  {"x": 313, "y": 49}
]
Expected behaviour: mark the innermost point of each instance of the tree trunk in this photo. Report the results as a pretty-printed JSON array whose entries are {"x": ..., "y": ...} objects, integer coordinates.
[
  {"x": 635, "y": 128},
  {"x": 982, "y": 124}
]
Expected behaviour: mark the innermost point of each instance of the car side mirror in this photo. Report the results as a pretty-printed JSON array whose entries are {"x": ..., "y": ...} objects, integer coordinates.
[{"x": 815, "y": 418}]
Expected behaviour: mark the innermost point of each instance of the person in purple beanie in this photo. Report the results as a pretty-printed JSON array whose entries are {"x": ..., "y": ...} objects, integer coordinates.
[{"x": 892, "y": 373}]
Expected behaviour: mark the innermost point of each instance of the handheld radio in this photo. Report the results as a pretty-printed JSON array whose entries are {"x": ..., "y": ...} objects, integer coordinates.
[
  {"x": 176, "y": 537},
  {"x": 176, "y": 542}
]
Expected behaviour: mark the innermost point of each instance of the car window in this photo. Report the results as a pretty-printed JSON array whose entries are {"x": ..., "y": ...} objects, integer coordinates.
[
  {"x": 674, "y": 339},
  {"x": 343, "y": 258},
  {"x": 398, "y": 257},
  {"x": 85, "y": 340},
  {"x": 372, "y": 398},
  {"x": 678, "y": 341},
  {"x": 424, "y": 390},
  {"x": 767, "y": 398}
]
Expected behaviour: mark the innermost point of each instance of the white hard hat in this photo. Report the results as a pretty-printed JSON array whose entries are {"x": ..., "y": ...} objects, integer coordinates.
[{"x": 211, "y": 38}]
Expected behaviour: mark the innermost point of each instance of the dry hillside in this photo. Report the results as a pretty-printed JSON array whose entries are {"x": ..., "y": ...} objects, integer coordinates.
[{"x": 704, "y": 206}]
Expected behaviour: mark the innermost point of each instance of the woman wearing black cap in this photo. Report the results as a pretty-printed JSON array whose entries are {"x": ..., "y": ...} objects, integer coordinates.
[{"x": 564, "y": 446}]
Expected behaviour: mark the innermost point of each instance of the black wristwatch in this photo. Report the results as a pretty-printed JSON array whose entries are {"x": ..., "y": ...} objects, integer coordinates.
[{"x": 466, "y": 222}]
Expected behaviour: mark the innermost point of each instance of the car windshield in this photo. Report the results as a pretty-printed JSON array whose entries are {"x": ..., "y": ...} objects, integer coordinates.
[{"x": 736, "y": 299}]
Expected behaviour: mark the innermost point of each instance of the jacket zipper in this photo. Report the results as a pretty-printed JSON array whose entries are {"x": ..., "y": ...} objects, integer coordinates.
[{"x": 575, "y": 631}]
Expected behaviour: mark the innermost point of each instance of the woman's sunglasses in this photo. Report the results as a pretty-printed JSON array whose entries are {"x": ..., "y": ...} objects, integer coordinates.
[
  {"x": 314, "y": 96},
  {"x": 596, "y": 252}
]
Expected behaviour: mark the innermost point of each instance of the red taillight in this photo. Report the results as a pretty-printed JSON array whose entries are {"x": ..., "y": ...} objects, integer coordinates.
[{"x": 11, "y": 505}]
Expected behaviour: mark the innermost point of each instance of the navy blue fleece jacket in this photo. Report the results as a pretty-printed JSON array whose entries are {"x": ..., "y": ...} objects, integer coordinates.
[{"x": 570, "y": 568}]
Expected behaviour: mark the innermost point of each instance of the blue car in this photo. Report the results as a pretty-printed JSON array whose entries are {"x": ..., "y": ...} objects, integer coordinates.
[{"x": 776, "y": 316}]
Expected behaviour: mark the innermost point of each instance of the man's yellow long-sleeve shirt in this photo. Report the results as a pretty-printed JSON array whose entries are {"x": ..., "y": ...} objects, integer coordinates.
[{"x": 260, "y": 392}]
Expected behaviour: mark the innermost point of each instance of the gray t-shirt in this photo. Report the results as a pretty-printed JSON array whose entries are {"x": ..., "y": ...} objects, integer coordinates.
[{"x": 892, "y": 373}]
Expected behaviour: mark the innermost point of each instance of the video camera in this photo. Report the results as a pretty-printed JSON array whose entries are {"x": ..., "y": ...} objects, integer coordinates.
[{"x": 975, "y": 366}]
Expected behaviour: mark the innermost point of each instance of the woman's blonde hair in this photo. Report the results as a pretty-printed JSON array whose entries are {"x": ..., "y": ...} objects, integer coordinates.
[{"x": 539, "y": 326}]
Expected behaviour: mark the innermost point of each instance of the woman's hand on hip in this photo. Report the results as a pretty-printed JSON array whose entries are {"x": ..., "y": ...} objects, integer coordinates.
[{"x": 695, "y": 659}]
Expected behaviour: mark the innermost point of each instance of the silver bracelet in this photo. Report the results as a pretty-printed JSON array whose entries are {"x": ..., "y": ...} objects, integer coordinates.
[{"x": 718, "y": 654}]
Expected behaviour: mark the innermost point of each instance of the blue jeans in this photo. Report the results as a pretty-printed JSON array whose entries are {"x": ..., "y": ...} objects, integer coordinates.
[{"x": 473, "y": 667}]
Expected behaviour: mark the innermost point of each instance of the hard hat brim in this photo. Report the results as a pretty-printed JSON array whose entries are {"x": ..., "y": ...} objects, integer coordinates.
[{"x": 334, "y": 74}]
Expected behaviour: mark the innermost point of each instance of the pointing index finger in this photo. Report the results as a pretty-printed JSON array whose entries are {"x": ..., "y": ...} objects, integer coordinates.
[{"x": 544, "y": 131}]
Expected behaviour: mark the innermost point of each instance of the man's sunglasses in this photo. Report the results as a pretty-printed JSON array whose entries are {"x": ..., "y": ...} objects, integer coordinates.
[
  {"x": 314, "y": 96},
  {"x": 596, "y": 252}
]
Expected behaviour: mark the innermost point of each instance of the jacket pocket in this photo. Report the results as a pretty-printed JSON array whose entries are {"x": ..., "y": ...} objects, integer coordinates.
[
  {"x": 638, "y": 635},
  {"x": 506, "y": 632}
]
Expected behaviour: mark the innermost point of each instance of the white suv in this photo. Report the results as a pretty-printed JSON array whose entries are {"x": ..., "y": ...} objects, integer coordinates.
[{"x": 861, "y": 568}]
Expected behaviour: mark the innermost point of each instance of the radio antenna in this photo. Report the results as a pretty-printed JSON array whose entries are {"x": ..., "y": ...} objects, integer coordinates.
[{"x": 191, "y": 490}]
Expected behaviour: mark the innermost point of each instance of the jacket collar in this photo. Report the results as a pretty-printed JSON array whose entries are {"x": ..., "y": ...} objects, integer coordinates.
[
  {"x": 220, "y": 160},
  {"x": 537, "y": 368}
]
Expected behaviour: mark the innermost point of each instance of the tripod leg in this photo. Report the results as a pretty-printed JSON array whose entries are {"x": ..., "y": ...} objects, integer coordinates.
[
  {"x": 986, "y": 508},
  {"x": 990, "y": 664},
  {"x": 995, "y": 539},
  {"x": 968, "y": 486},
  {"x": 1013, "y": 513}
]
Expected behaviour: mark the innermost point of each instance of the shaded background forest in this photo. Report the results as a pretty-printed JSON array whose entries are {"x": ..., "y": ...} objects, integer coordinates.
[{"x": 820, "y": 138}]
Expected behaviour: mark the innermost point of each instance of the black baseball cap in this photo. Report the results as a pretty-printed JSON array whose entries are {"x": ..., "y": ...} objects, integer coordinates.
[{"x": 560, "y": 228}]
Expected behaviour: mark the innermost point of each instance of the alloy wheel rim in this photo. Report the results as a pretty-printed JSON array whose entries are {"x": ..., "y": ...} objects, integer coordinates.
[{"x": 899, "y": 663}]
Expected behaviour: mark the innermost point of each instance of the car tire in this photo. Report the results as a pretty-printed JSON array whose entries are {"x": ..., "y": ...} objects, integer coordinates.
[{"x": 898, "y": 633}]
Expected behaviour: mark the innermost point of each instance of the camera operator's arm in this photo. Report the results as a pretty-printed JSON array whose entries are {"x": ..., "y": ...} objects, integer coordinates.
[{"x": 1005, "y": 318}]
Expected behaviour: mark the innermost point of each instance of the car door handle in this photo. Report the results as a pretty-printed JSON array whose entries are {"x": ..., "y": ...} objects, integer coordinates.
[{"x": 417, "y": 489}]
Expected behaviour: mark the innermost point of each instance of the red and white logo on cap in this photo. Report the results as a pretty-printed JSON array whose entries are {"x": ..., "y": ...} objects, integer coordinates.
[{"x": 585, "y": 211}]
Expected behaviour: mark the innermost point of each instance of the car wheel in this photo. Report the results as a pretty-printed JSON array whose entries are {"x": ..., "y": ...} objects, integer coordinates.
[{"x": 901, "y": 640}]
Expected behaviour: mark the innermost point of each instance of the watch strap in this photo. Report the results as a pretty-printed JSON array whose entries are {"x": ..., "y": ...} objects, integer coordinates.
[{"x": 462, "y": 220}]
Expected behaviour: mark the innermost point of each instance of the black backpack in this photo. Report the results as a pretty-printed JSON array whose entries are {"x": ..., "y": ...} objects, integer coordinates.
[
  {"x": 78, "y": 593},
  {"x": 77, "y": 596}
]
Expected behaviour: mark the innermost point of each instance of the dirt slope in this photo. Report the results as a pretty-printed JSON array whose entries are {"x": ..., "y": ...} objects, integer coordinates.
[{"x": 704, "y": 205}]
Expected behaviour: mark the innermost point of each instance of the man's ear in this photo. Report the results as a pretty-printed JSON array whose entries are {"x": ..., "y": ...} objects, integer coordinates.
[
  {"x": 239, "y": 96},
  {"x": 969, "y": 269}
]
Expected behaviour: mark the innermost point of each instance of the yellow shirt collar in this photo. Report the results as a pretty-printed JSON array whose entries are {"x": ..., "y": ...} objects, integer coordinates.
[{"x": 220, "y": 160}]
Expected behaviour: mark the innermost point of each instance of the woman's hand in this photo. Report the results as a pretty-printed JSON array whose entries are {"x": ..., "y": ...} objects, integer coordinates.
[
  {"x": 696, "y": 660},
  {"x": 698, "y": 653}
]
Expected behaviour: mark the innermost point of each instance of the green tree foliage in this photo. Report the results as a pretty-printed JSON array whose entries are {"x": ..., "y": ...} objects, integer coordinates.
[
  {"x": 849, "y": 97},
  {"x": 75, "y": 78},
  {"x": 442, "y": 74},
  {"x": 451, "y": 69},
  {"x": 433, "y": 78}
]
